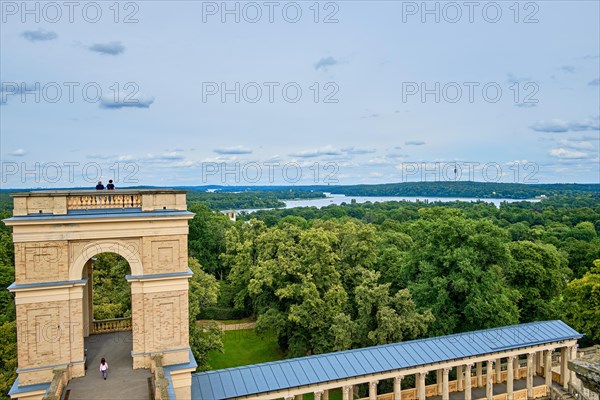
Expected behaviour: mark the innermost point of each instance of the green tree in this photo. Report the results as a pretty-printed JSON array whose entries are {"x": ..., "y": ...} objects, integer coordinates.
[
  {"x": 539, "y": 272},
  {"x": 582, "y": 298},
  {"x": 8, "y": 356},
  {"x": 206, "y": 239},
  {"x": 383, "y": 318},
  {"x": 112, "y": 292},
  {"x": 203, "y": 292},
  {"x": 455, "y": 267}
]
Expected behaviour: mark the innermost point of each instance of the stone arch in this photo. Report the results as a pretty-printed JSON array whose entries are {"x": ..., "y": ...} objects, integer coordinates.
[{"x": 127, "y": 250}]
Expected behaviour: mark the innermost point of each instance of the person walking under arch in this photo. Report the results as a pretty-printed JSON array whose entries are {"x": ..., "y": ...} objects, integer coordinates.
[{"x": 103, "y": 367}]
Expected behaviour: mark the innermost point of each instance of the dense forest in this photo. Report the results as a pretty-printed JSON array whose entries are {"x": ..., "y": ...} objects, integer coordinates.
[
  {"x": 355, "y": 275},
  {"x": 362, "y": 274}
]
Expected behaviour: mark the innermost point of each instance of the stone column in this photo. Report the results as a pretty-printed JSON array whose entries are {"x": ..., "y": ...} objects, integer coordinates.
[
  {"x": 468, "y": 381},
  {"x": 489, "y": 385},
  {"x": 325, "y": 395},
  {"x": 530, "y": 375},
  {"x": 572, "y": 356},
  {"x": 445, "y": 391},
  {"x": 299, "y": 397},
  {"x": 548, "y": 368},
  {"x": 398, "y": 387},
  {"x": 347, "y": 392},
  {"x": 539, "y": 361},
  {"x": 373, "y": 390},
  {"x": 517, "y": 367},
  {"x": 564, "y": 370},
  {"x": 438, "y": 381},
  {"x": 510, "y": 376},
  {"x": 499, "y": 370},
  {"x": 90, "y": 297},
  {"x": 318, "y": 395},
  {"x": 479, "y": 373},
  {"x": 421, "y": 385},
  {"x": 459, "y": 378}
]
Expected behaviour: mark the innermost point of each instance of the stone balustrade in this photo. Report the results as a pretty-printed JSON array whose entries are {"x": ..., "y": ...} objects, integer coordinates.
[
  {"x": 539, "y": 392},
  {"x": 59, "y": 382},
  {"x": 94, "y": 201},
  {"x": 159, "y": 381},
  {"x": 111, "y": 325},
  {"x": 61, "y": 202}
]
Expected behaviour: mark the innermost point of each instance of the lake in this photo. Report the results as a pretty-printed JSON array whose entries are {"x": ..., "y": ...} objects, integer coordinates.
[{"x": 342, "y": 198}]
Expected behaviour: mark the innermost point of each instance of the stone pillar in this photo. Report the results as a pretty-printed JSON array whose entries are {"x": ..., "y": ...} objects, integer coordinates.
[
  {"x": 530, "y": 375},
  {"x": 468, "y": 381},
  {"x": 564, "y": 370},
  {"x": 299, "y": 397},
  {"x": 572, "y": 356},
  {"x": 498, "y": 370},
  {"x": 459, "y": 378},
  {"x": 347, "y": 392},
  {"x": 373, "y": 390},
  {"x": 479, "y": 373},
  {"x": 517, "y": 367},
  {"x": 548, "y": 368},
  {"x": 318, "y": 395},
  {"x": 90, "y": 297},
  {"x": 510, "y": 376},
  {"x": 325, "y": 395},
  {"x": 398, "y": 387},
  {"x": 489, "y": 380},
  {"x": 445, "y": 391},
  {"x": 421, "y": 385},
  {"x": 539, "y": 361},
  {"x": 438, "y": 381}
]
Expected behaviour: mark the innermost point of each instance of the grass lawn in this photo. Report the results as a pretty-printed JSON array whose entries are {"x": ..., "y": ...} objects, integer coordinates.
[{"x": 244, "y": 347}]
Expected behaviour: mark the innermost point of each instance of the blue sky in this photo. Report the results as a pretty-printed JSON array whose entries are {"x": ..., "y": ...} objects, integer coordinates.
[{"x": 363, "y": 92}]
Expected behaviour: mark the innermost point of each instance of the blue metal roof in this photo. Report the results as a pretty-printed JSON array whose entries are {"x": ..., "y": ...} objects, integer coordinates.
[{"x": 278, "y": 375}]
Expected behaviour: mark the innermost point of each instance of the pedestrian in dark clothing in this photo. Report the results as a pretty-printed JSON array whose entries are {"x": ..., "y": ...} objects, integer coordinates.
[
  {"x": 110, "y": 185},
  {"x": 99, "y": 186}
]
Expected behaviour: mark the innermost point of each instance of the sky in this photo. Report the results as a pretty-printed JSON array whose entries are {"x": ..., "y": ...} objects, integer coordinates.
[{"x": 278, "y": 93}]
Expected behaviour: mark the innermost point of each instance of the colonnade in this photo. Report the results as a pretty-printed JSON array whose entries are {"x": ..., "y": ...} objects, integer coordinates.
[{"x": 494, "y": 370}]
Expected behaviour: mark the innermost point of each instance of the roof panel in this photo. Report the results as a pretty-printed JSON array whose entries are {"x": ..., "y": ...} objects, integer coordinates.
[
  {"x": 278, "y": 375},
  {"x": 259, "y": 379}
]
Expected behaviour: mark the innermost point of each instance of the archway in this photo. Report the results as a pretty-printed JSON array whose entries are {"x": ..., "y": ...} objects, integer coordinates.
[{"x": 56, "y": 234}]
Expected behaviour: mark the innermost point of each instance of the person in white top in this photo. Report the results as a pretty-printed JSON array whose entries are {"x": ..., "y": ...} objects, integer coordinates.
[{"x": 103, "y": 368}]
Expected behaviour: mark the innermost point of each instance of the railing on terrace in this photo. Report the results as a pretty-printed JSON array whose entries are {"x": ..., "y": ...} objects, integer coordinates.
[
  {"x": 60, "y": 202},
  {"x": 111, "y": 325},
  {"x": 90, "y": 201},
  {"x": 59, "y": 382},
  {"x": 410, "y": 394},
  {"x": 159, "y": 382},
  {"x": 432, "y": 390}
]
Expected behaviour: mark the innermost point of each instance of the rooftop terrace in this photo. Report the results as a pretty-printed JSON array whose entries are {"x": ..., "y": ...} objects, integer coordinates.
[{"x": 64, "y": 202}]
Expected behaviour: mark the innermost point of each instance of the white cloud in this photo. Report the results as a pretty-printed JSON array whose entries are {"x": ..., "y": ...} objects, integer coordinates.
[
  {"x": 567, "y": 154},
  {"x": 111, "y": 48},
  {"x": 125, "y": 100},
  {"x": 18, "y": 152},
  {"x": 233, "y": 150},
  {"x": 560, "y": 126},
  {"x": 39, "y": 35},
  {"x": 323, "y": 151}
]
